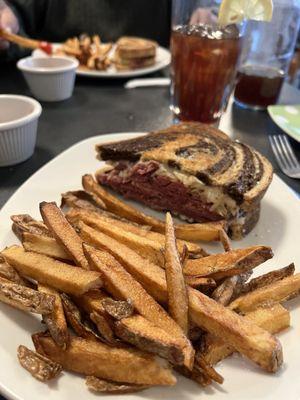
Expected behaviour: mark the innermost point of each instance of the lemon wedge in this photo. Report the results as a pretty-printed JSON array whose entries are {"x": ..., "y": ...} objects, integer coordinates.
[{"x": 236, "y": 11}]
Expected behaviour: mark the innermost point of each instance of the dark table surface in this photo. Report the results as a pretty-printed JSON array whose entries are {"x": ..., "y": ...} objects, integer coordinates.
[{"x": 103, "y": 106}]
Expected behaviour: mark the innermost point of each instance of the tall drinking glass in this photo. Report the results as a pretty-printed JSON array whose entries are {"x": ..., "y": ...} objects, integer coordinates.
[{"x": 204, "y": 60}]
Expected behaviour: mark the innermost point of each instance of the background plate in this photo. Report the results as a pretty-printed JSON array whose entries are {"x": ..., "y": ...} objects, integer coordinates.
[
  {"x": 287, "y": 118},
  {"x": 163, "y": 59},
  {"x": 278, "y": 227}
]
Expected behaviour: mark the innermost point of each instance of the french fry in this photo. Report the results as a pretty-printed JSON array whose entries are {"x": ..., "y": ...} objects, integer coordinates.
[
  {"x": 157, "y": 240},
  {"x": 98, "y": 359},
  {"x": 102, "y": 386},
  {"x": 247, "y": 338},
  {"x": 177, "y": 293},
  {"x": 82, "y": 199},
  {"x": 194, "y": 232},
  {"x": 63, "y": 232},
  {"x": 148, "y": 274},
  {"x": 123, "y": 286},
  {"x": 274, "y": 319},
  {"x": 219, "y": 266},
  {"x": 40, "y": 367},
  {"x": 147, "y": 336},
  {"x": 199, "y": 282},
  {"x": 267, "y": 279},
  {"x": 229, "y": 288},
  {"x": 276, "y": 292},
  {"x": 118, "y": 309},
  {"x": 56, "y": 321},
  {"x": 103, "y": 328},
  {"x": 44, "y": 245},
  {"x": 50, "y": 272},
  {"x": 91, "y": 301},
  {"x": 203, "y": 311},
  {"x": 9, "y": 273},
  {"x": 25, "y": 298},
  {"x": 208, "y": 369},
  {"x": 25, "y": 223},
  {"x": 224, "y": 239}
]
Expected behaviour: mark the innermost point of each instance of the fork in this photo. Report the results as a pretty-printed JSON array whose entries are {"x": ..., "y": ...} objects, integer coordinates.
[{"x": 285, "y": 155}]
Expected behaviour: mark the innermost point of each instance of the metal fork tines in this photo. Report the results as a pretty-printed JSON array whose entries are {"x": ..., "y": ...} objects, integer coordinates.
[{"x": 285, "y": 155}]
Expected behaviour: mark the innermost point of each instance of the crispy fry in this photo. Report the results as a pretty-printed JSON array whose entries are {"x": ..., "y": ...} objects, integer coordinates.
[
  {"x": 231, "y": 286},
  {"x": 268, "y": 278},
  {"x": 177, "y": 293},
  {"x": 75, "y": 319},
  {"x": 199, "y": 282},
  {"x": 56, "y": 321},
  {"x": 148, "y": 274},
  {"x": 9, "y": 273},
  {"x": 204, "y": 312},
  {"x": 234, "y": 262},
  {"x": 25, "y": 223},
  {"x": 103, "y": 327},
  {"x": 208, "y": 369},
  {"x": 224, "y": 239},
  {"x": 123, "y": 286},
  {"x": 147, "y": 336},
  {"x": 118, "y": 309},
  {"x": 139, "y": 232},
  {"x": 276, "y": 292},
  {"x": 274, "y": 319},
  {"x": 100, "y": 385},
  {"x": 82, "y": 199},
  {"x": 50, "y": 272},
  {"x": 63, "y": 232},
  {"x": 209, "y": 231},
  {"x": 196, "y": 375},
  {"x": 91, "y": 301},
  {"x": 98, "y": 359},
  {"x": 40, "y": 367},
  {"x": 25, "y": 298},
  {"x": 44, "y": 245}
]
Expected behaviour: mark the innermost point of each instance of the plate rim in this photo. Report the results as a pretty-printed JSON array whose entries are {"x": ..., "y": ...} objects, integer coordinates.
[{"x": 282, "y": 127}]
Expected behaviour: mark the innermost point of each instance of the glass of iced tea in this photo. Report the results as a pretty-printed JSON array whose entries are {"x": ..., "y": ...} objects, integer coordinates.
[
  {"x": 204, "y": 60},
  {"x": 267, "y": 52}
]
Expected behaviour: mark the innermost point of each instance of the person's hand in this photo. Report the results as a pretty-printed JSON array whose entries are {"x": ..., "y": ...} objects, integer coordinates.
[
  {"x": 203, "y": 16},
  {"x": 8, "y": 21}
]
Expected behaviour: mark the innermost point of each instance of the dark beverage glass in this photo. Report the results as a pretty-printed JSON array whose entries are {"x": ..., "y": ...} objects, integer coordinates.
[{"x": 204, "y": 61}]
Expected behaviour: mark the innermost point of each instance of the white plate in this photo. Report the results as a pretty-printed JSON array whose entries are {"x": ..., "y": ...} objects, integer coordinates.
[
  {"x": 163, "y": 59},
  {"x": 278, "y": 227}
]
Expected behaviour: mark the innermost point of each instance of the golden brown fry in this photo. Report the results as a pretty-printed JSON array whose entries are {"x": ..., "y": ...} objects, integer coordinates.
[
  {"x": 147, "y": 336},
  {"x": 9, "y": 273},
  {"x": 208, "y": 369},
  {"x": 268, "y": 278},
  {"x": 44, "y": 245},
  {"x": 231, "y": 286},
  {"x": 224, "y": 239},
  {"x": 103, "y": 327},
  {"x": 25, "y": 298},
  {"x": 118, "y": 309},
  {"x": 177, "y": 293},
  {"x": 82, "y": 199},
  {"x": 100, "y": 221},
  {"x": 98, "y": 359},
  {"x": 123, "y": 286},
  {"x": 50, "y": 272},
  {"x": 40, "y": 367},
  {"x": 75, "y": 319},
  {"x": 91, "y": 301},
  {"x": 63, "y": 232},
  {"x": 276, "y": 292},
  {"x": 204, "y": 312},
  {"x": 199, "y": 282},
  {"x": 274, "y": 319},
  {"x": 25, "y": 223},
  {"x": 147, "y": 273},
  {"x": 234, "y": 262},
  {"x": 194, "y": 232},
  {"x": 102, "y": 386},
  {"x": 196, "y": 375},
  {"x": 56, "y": 321},
  {"x": 247, "y": 338}
]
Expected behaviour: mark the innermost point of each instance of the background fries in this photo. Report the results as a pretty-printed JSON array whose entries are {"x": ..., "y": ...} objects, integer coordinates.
[{"x": 44, "y": 245}]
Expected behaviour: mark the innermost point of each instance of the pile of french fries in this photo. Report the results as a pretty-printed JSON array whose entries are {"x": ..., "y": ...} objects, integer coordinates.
[
  {"x": 89, "y": 50},
  {"x": 127, "y": 298}
]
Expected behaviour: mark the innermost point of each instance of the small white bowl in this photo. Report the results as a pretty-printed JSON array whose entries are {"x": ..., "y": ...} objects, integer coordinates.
[
  {"x": 18, "y": 126},
  {"x": 49, "y": 78}
]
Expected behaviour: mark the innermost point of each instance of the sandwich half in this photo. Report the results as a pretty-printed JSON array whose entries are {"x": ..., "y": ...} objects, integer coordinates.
[
  {"x": 193, "y": 170},
  {"x": 133, "y": 53}
]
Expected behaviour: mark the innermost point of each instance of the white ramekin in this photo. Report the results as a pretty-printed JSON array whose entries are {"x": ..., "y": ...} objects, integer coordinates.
[
  {"x": 49, "y": 78},
  {"x": 18, "y": 126}
]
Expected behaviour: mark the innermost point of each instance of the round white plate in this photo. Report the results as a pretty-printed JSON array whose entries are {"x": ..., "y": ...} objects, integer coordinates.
[
  {"x": 278, "y": 227},
  {"x": 163, "y": 59}
]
